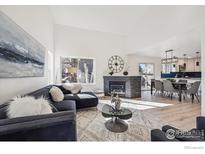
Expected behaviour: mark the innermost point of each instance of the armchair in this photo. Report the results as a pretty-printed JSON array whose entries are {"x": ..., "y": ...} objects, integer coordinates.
[{"x": 163, "y": 135}]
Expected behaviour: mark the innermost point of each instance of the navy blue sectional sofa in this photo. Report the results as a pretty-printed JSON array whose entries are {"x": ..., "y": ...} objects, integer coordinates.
[{"x": 58, "y": 126}]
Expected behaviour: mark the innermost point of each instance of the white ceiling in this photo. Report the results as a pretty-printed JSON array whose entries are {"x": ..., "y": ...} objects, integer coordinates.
[
  {"x": 154, "y": 28},
  {"x": 116, "y": 19},
  {"x": 186, "y": 43}
]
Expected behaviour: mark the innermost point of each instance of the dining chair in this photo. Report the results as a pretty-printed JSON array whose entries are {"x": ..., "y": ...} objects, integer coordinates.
[
  {"x": 169, "y": 88},
  {"x": 158, "y": 86},
  {"x": 193, "y": 91},
  {"x": 181, "y": 80}
]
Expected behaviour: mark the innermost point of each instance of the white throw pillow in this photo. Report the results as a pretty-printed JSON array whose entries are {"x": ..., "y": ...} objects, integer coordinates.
[
  {"x": 56, "y": 94},
  {"x": 73, "y": 87},
  {"x": 76, "y": 88},
  {"x": 28, "y": 106},
  {"x": 68, "y": 86}
]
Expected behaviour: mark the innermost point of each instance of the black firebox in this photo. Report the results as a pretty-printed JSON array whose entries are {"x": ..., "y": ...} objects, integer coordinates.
[{"x": 117, "y": 86}]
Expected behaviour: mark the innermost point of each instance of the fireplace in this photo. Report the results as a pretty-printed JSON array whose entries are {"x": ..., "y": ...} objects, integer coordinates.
[
  {"x": 127, "y": 86},
  {"x": 117, "y": 86}
]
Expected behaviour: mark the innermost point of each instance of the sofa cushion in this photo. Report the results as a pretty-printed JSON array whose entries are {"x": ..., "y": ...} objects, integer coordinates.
[
  {"x": 89, "y": 93},
  {"x": 73, "y": 87},
  {"x": 63, "y": 89},
  {"x": 56, "y": 94},
  {"x": 84, "y": 99},
  {"x": 65, "y": 105},
  {"x": 82, "y": 95},
  {"x": 85, "y": 96},
  {"x": 70, "y": 97}
]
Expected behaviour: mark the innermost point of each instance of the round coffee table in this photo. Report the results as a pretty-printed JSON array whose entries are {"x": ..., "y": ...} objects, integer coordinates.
[{"x": 117, "y": 123}]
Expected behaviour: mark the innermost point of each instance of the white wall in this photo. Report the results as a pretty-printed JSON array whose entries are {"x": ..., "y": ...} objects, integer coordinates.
[
  {"x": 135, "y": 59},
  {"x": 77, "y": 42},
  {"x": 203, "y": 79},
  {"x": 37, "y": 21},
  {"x": 202, "y": 32}
]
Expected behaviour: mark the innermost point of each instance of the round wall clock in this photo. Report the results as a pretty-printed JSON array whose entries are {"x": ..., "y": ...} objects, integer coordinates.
[{"x": 115, "y": 64}]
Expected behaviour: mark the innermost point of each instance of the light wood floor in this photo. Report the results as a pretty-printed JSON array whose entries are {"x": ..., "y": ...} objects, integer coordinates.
[
  {"x": 90, "y": 122},
  {"x": 181, "y": 114}
]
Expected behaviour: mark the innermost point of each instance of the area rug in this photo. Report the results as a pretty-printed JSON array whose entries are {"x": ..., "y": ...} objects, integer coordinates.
[
  {"x": 91, "y": 125},
  {"x": 135, "y": 104}
]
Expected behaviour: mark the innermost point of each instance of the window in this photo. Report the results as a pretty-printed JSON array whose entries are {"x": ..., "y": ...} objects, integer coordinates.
[{"x": 146, "y": 69}]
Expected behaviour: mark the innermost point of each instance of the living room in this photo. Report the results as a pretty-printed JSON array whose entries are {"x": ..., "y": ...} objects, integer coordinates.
[{"x": 102, "y": 71}]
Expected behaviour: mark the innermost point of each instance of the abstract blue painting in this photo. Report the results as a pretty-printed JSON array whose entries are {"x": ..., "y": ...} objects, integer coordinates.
[{"x": 20, "y": 54}]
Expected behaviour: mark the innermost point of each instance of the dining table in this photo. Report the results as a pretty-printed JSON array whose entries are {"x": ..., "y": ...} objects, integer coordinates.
[{"x": 177, "y": 85}]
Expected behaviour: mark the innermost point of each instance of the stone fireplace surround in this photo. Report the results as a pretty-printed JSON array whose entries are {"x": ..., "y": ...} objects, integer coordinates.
[{"x": 132, "y": 85}]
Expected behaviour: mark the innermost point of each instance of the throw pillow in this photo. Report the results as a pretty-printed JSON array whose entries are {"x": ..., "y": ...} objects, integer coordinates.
[
  {"x": 28, "y": 106},
  {"x": 56, "y": 94},
  {"x": 73, "y": 87},
  {"x": 68, "y": 86}
]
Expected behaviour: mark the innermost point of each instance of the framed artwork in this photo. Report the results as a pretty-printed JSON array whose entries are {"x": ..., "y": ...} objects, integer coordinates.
[
  {"x": 146, "y": 69},
  {"x": 78, "y": 70},
  {"x": 20, "y": 54}
]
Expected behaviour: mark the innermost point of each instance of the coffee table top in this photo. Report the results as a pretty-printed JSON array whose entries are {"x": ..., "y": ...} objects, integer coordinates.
[{"x": 108, "y": 111}]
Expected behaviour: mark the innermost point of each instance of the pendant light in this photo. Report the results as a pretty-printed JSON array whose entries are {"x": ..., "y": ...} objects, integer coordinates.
[
  {"x": 197, "y": 58},
  {"x": 184, "y": 61}
]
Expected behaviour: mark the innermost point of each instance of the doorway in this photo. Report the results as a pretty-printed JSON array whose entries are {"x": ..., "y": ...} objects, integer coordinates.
[{"x": 146, "y": 70}]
